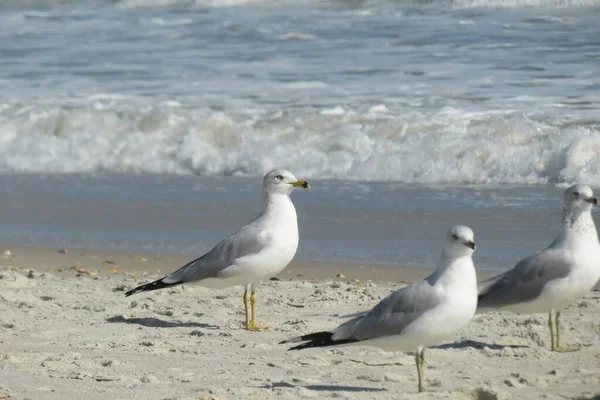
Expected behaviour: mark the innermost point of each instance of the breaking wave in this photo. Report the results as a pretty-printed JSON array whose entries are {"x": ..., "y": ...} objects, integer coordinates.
[{"x": 377, "y": 144}]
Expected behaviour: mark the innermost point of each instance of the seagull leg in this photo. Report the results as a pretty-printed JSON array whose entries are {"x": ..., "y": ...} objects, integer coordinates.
[
  {"x": 551, "y": 326},
  {"x": 246, "y": 308},
  {"x": 557, "y": 346},
  {"x": 420, "y": 360},
  {"x": 253, "y": 326}
]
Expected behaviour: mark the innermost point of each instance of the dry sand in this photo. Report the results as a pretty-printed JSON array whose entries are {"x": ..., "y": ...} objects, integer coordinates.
[{"x": 71, "y": 334}]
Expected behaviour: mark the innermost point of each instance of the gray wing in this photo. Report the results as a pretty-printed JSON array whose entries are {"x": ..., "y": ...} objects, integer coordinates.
[
  {"x": 526, "y": 280},
  {"x": 246, "y": 241},
  {"x": 392, "y": 315}
]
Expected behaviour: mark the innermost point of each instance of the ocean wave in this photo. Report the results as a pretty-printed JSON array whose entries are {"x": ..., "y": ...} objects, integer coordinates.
[
  {"x": 379, "y": 144},
  {"x": 342, "y": 5},
  {"x": 467, "y": 4}
]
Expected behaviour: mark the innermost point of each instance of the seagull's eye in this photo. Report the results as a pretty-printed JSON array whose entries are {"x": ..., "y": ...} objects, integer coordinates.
[
  {"x": 455, "y": 237},
  {"x": 280, "y": 177},
  {"x": 575, "y": 194}
]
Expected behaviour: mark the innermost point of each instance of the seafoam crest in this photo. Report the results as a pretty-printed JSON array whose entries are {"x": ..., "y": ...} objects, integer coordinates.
[{"x": 378, "y": 144}]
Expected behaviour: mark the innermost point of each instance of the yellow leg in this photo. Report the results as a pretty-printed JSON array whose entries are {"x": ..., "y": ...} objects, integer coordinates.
[
  {"x": 246, "y": 309},
  {"x": 556, "y": 345},
  {"x": 253, "y": 326},
  {"x": 420, "y": 360},
  {"x": 551, "y": 326}
]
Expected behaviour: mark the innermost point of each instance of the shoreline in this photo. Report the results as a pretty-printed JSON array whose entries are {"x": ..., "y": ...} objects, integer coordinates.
[
  {"x": 138, "y": 265},
  {"x": 66, "y": 262}
]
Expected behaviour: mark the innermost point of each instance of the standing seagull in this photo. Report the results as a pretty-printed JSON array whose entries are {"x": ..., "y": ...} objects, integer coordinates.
[
  {"x": 257, "y": 251},
  {"x": 555, "y": 277},
  {"x": 418, "y": 315}
]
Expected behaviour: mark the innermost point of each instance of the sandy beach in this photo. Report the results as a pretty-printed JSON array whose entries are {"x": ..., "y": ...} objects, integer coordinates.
[
  {"x": 68, "y": 332},
  {"x": 135, "y": 136}
]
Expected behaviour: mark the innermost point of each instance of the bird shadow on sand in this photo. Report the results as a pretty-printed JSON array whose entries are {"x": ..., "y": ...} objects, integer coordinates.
[
  {"x": 343, "y": 388},
  {"x": 328, "y": 388},
  {"x": 465, "y": 344},
  {"x": 158, "y": 323}
]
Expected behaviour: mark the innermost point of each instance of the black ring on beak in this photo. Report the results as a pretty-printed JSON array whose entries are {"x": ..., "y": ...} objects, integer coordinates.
[
  {"x": 470, "y": 245},
  {"x": 305, "y": 185}
]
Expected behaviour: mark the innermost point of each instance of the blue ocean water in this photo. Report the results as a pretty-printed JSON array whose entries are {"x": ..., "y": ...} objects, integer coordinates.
[
  {"x": 147, "y": 124},
  {"x": 385, "y": 223},
  {"x": 441, "y": 91}
]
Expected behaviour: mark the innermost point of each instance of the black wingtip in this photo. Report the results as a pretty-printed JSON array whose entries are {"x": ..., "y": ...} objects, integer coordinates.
[
  {"x": 157, "y": 284},
  {"x": 317, "y": 339},
  {"x": 481, "y": 299}
]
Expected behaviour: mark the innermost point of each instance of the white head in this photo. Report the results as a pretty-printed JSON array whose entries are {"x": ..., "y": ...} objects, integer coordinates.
[
  {"x": 579, "y": 198},
  {"x": 282, "y": 181},
  {"x": 459, "y": 241}
]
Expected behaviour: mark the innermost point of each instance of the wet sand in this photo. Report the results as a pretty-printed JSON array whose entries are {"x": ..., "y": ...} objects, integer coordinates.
[{"x": 66, "y": 262}]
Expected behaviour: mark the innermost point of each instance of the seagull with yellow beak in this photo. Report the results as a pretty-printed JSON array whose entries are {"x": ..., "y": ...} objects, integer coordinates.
[{"x": 257, "y": 251}]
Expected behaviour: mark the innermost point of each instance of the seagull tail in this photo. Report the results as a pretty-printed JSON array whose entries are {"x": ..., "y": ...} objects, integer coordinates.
[
  {"x": 484, "y": 289},
  {"x": 157, "y": 284},
  {"x": 317, "y": 339}
]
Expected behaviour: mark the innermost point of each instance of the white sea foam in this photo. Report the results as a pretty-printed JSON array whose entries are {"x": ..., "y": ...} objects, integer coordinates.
[
  {"x": 175, "y": 88},
  {"x": 361, "y": 8},
  {"x": 450, "y": 146},
  {"x": 365, "y": 8},
  {"x": 462, "y": 4},
  {"x": 185, "y": 3}
]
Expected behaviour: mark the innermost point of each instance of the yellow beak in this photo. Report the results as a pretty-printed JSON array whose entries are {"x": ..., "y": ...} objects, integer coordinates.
[{"x": 301, "y": 184}]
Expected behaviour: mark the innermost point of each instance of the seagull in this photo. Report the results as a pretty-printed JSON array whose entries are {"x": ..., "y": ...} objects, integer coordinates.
[
  {"x": 418, "y": 315},
  {"x": 555, "y": 277},
  {"x": 257, "y": 251}
]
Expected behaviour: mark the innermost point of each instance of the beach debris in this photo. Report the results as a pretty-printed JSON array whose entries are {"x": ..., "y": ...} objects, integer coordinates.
[
  {"x": 340, "y": 275},
  {"x": 489, "y": 393},
  {"x": 102, "y": 378},
  {"x": 281, "y": 384},
  {"x": 120, "y": 288},
  {"x": 81, "y": 272},
  {"x": 370, "y": 364},
  {"x": 113, "y": 270},
  {"x": 389, "y": 377},
  {"x": 149, "y": 379},
  {"x": 357, "y": 281},
  {"x": 143, "y": 259},
  {"x": 274, "y": 279},
  {"x": 106, "y": 262},
  {"x": 63, "y": 251},
  {"x": 30, "y": 274},
  {"x": 7, "y": 255},
  {"x": 293, "y": 278}
]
